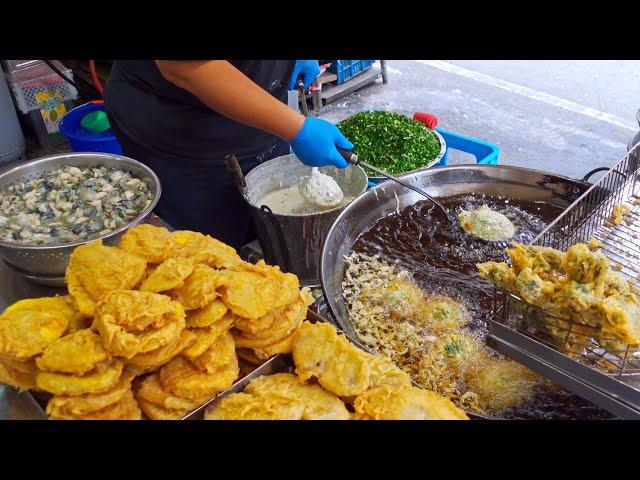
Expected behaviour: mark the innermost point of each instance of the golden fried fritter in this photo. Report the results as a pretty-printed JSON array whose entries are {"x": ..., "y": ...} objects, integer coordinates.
[
  {"x": 502, "y": 384},
  {"x": 199, "y": 288},
  {"x": 151, "y": 391},
  {"x": 25, "y": 333},
  {"x": 220, "y": 358},
  {"x": 67, "y": 406},
  {"x": 341, "y": 367},
  {"x": 248, "y": 355},
  {"x": 183, "y": 379},
  {"x": 255, "y": 292},
  {"x": 204, "y": 249},
  {"x": 100, "y": 379},
  {"x": 208, "y": 315},
  {"x": 149, "y": 361},
  {"x": 22, "y": 366},
  {"x": 283, "y": 345},
  {"x": 125, "y": 408},
  {"x": 318, "y": 403},
  {"x": 405, "y": 403},
  {"x": 154, "y": 244},
  {"x": 205, "y": 337},
  {"x": 121, "y": 315},
  {"x": 280, "y": 321},
  {"x": 17, "y": 379},
  {"x": 63, "y": 304},
  {"x": 156, "y": 412},
  {"x": 95, "y": 269},
  {"x": 385, "y": 374},
  {"x": 168, "y": 275},
  {"x": 136, "y": 311},
  {"x": 77, "y": 353},
  {"x": 243, "y": 406}
]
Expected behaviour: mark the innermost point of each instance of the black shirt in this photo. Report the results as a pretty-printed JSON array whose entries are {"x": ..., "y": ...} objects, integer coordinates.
[{"x": 170, "y": 121}]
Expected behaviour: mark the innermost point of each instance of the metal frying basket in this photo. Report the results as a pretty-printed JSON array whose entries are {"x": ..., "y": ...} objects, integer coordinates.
[{"x": 567, "y": 350}]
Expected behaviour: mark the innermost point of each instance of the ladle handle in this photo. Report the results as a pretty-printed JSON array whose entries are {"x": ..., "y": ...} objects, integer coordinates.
[
  {"x": 353, "y": 158},
  {"x": 236, "y": 173}
]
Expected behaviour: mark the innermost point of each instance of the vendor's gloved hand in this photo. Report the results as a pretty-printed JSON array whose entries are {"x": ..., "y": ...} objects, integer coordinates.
[
  {"x": 316, "y": 142},
  {"x": 309, "y": 69}
]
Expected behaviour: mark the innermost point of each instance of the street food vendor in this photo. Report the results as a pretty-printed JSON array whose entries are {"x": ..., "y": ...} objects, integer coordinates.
[{"x": 181, "y": 118}]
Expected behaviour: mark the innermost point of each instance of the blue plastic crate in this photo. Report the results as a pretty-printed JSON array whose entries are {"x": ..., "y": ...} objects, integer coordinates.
[{"x": 345, "y": 69}]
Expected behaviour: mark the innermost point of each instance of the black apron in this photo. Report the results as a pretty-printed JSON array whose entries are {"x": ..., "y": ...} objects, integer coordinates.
[{"x": 185, "y": 142}]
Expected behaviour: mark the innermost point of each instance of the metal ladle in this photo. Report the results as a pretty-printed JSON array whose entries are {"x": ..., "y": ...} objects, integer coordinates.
[{"x": 353, "y": 159}]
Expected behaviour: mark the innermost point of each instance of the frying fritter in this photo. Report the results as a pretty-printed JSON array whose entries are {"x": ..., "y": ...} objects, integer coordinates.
[
  {"x": 67, "y": 406},
  {"x": 95, "y": 269},
  {"x": 25, "y": 333},
  {"x": 150, "y": 361},
  {"x": 77, "y": 353},
  {"x": 199, "y": 288},
  {"x": 151, "y": 391},
  {"x": 280, "y": 388},
  {"x": 183, "y": 379},
  {"x": 243, "y": 406},
  {"x": 209, "y": 315},
  {"x": 486, "y": 224},
  {"x": 168, "y": 275},
  {"x": 156, "y": 412},
  {"x": 220, "y": 358},
  {"x": 503, "y": 383},
  {"x": 16, "y": 378},
  {"x": 154, "y": 244},
  {"x": 340, "y": 367},
  {"x": 405, "y": 403},
  {"x": 204, "y": 249},
  {"x": 100, "y": 379},
  {"x": 257, "y": 289},
  {"x": 125, "y": 408},
  {"x": 122, "y": 314}
]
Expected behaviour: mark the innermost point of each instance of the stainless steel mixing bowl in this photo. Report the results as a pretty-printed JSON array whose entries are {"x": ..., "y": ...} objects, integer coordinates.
[{"x": 46, "y": 264}]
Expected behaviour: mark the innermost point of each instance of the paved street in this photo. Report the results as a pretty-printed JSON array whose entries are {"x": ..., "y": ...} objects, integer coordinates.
[{"x": 560, "y": 116}]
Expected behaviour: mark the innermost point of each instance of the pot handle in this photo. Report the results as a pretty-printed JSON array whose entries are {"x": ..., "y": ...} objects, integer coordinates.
[
  {"x": 600, "y": 169},
  {"x": 236, "y": 173}
]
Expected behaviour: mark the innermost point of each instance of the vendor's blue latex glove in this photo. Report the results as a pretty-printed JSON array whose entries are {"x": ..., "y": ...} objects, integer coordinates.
[
  {"x": 309, "y": 69},
  {"x": 316, "y": 142}
]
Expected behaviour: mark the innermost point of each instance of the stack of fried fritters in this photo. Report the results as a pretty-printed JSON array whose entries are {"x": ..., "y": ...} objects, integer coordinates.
[
  {"x": 346, "y": 375},
  {"x": 159, "y": 307}
]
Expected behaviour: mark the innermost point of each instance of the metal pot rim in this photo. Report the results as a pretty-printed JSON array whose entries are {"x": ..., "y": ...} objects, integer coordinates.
[{"x": 134, "y": 221}]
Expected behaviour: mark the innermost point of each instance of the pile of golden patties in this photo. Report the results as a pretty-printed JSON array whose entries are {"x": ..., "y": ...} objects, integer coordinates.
[
  {"x": 333, "y": 380},
  {"x": 149, "y": 325}
]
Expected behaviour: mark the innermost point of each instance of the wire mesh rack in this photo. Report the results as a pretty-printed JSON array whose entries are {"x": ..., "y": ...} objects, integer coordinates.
[{"x": 575, "y": 351}]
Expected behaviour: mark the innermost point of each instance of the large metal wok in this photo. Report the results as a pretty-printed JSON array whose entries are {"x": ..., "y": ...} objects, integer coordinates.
[{"x": 388, "y": 197}]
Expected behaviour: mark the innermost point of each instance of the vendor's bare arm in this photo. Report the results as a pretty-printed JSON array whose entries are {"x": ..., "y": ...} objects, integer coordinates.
[{"x": 228, "y": 91}]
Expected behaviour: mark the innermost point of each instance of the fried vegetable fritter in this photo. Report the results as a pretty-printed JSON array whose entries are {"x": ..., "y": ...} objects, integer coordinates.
[
  {"x": 100, "y": 379},
  {"x": 76, "y": 353}
]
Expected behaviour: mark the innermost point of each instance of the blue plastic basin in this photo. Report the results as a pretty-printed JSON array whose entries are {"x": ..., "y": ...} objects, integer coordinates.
[{"x": 81, "y": 139}]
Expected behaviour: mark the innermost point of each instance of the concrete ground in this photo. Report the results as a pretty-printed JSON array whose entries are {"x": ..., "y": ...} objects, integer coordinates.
[{"x": 565, "y": 117}]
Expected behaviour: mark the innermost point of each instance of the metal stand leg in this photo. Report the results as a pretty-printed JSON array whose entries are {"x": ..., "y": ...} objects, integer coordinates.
[
  {"x": 317, "y": 99},
  {"x": 383, "y": 70}
]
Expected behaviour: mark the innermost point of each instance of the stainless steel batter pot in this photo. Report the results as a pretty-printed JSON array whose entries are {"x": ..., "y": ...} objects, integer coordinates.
[{"x": 294, "y": 242}]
